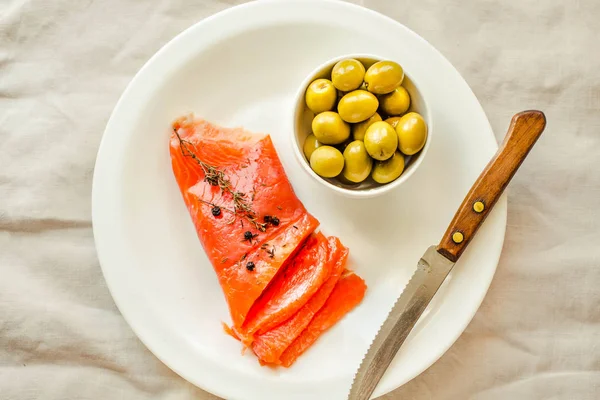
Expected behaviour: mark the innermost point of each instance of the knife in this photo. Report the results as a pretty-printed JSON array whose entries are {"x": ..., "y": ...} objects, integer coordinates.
[{"x": 437, "y": 262}]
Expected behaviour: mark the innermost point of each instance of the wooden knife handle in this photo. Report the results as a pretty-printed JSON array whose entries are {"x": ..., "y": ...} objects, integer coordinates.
[{"x": 524, "y": 130}]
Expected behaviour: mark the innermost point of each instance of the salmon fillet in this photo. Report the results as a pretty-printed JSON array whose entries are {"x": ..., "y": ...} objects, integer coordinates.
[
  {"x": 249, "y": 165},
  {"x": 284, "y": 284}
]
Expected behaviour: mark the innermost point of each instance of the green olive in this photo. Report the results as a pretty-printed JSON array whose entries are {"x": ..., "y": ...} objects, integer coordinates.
[
  {"x": 396, "y": 102},
  {"x": 393, "y": 121},
  {"x": 388, "y": 170},
  {"x": 357, "y": 106},
  {"x": 310, "y": 145},
  {"x": 321, "y": 96},
  {"x": 348, "y": 74},
  {"x": 345, "y": 181},
  {"x": 327, "y": 161},
  {"x": 357, "y": 163},
  {"x": 381, "y": 140},
  {"x": 358, "y": 130},
  {"x": 412, "y": 133},
  {"x": 329, "y": 128},
  {"x": 383, "y": 77}
]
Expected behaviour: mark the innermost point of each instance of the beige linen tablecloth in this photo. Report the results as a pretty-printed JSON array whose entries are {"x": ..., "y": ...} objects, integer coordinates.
[{"x": 63, "y": 65}]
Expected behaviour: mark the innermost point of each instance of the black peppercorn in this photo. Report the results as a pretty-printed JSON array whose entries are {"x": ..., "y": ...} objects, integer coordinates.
[
  {"x": 250, "y": 266},
  {"x": 267, "y": 218},
  {"x": 248, "y": 235},
  {"x": 216, "y": 211},
  {"x": 275, "y": 221}
]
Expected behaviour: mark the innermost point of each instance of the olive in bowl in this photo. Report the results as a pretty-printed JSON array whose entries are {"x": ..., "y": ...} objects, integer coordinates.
[{"x": 361, "y": 126}]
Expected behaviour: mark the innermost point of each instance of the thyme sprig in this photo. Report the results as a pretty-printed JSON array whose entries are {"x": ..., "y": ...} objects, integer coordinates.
[
  {"x": 271, "y": 252},
  {"x": 216, "y": 177}
]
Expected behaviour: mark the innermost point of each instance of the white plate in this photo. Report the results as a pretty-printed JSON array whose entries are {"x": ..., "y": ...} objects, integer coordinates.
[{"x": 241, "y": 67}]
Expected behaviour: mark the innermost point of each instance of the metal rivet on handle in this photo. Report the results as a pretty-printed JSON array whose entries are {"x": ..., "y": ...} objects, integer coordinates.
[
  {"x": 478, "y": 206},
  {"x": 457, "y": 237}
]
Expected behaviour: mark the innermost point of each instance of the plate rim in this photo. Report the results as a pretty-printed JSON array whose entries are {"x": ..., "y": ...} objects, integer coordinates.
[{"x": 100, "y": 170}]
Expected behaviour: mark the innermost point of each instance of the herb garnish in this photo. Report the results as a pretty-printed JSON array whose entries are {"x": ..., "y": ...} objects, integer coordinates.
[
  {"x": 271, "y": 252},
  {"x": 216, "y": 177}
]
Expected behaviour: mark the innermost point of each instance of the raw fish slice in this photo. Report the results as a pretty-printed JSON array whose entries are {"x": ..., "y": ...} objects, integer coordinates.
[
  {"x": 347, "y": 294},
  {"x": 291, "y": 289},
  {"x": 269, "y": 345}
]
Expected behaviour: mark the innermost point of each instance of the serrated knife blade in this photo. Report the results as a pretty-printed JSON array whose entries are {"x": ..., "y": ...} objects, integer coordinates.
[
  {"x": 432, "y": 270},
  {"x": 437, "y": 262}
]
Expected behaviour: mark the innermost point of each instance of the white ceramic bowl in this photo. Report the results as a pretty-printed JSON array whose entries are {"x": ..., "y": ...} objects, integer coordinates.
[{"x": 302, "y": 121}]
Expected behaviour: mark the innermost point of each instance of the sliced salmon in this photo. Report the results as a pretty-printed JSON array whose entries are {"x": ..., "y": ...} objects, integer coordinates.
[
  {"x": 202, "y": 155},
  {"x": 290, "y": 290},
  {"x": 347, "y": 294},
  {"x": 269, "y": 345},
  {"x": 281, "y": 280}
]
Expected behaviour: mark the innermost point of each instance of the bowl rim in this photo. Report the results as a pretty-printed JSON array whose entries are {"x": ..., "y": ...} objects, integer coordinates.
[{"x": 355, "y": 193}]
